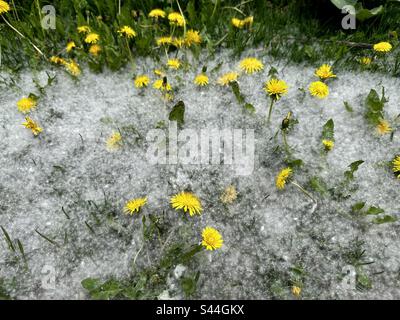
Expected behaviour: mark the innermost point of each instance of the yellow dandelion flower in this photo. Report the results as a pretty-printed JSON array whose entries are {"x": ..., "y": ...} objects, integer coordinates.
[
  {"x": 174, "y": 64},
  {"x": 251, "y": 65},
  {"x": 229, "y": 195},
  {"x": 83, "y": 29},
  {"x": 57, "y": 60},
  {"x": 178, "y": 42},
  {"x": 70, "y": 45},
  {"x": 201, "y": 80},
  {"x": 296, "y": 291},
  {"x": 127, "y": 31},
  {"x": 396, "y": 166},
  {"x": 92, "y": 38},
  {"x": 33, "y": 126},
  {"x": 237, "y": 23},
  {"x": 25, "y": 105},
  {"x": 227, "y": 78},
  {"x": 324, "y": 72},
  {"x": 212, "y": 239},
  {"x": 95, "y": 49},
  {"x": 162, "y": 41},
  {"x": 382, "y": 47},
  {"x": 328, "y": 144},
  {"x": 283, "y": 177},
  {"x": 176, "y": 19},
  {"x": 73, "y": 68},
  {"x": 186, "y": 201},
  {"x": 114, "y": 141},
  {"x": 157, "y": 13},
  {"x": 319, "y": 89},
  {"x": 192, "y": 37},
  {"x": 142, "y": 81},
  {"x": 162, "y": 85},
  {"x": 366, "y": 61},
  {"x": 4, "y": 7},
  {"x": 276, "y": 88},
  {"x": 383, "y": 127},
  {"x": 134, "y": 205}
]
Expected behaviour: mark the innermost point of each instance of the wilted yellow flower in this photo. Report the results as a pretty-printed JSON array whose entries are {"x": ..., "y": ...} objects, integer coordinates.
[
  {"x": 159, "y": 73},
  {"x": 92, "y": 38},
  {"x": 328, "y": 144},
  {"x": 162, "y": 41},
  {"x": 73, "y": 68},
  {"x": 134, "y": 205},
  {"x": 178, "y": 42},
  {"x": 396, "y": 166},
  {"x": 237, "y": 23},
  {"x": 127, "y": 31},
  {"x": 142, "y": 81},
  {"x": 296, "y": 291},
  {"x": 229, "y": 195},
  {"x": 83, "y": 29},
  {"x": 169, "y": 96},
  {"x": 57, "y": 60},
  {"x": 276, "y": 88},
  {"x": 95, "y": 49},
  {"x": 283, "y": 177},
  {"x": 186, "y": 201},
  {"x": 176, "y": 19},
  {"x": 162, "y": 85},
  {"x": 114, "y": 141},
  {"x": 157, "y": 13},
  {"x": 25, "y": 105},
  {"x": 248, "y": 21},
  {"x": 33, "y": 126},
  {"x": 201, "y": 80},
  {"x": 324, "y": 72},
  {"x": 227, "y": 78},
  {"x": 383, "y": 127},
  {"x": 192, "y": 37},
  {"x": 382, "y": 47},
  {"x": 365, "y": 61},
  {"x": 173, "y": 63},
  {"x": 319, "y": 89},
  {"x": 251, "y": 65},
  {"x": 70, "y": 46},
  {"x": 4, "y": 7},
  {"x": 212, "y": 239}
]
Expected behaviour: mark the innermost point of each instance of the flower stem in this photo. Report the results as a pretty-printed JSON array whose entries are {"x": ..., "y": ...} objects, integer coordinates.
[
  {"x": 303, "y": 190},
  {"x": 270, "y": 111},
  {"x": 285, "y": 142},
  {"x": 130, "y": 53},
  {"x": 22, "y": 36}
]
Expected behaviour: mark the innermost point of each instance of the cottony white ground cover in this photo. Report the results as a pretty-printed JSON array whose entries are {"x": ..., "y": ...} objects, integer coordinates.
[{"x": 266, "y": 232}]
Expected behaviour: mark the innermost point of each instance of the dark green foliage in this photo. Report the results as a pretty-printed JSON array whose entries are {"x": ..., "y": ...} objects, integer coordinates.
[
  {"x": 328, "y": 130},
  {"x": 287, "y": 29},
  {"x": 375, "y": 104},
  {"x": 178, "y": 113}
]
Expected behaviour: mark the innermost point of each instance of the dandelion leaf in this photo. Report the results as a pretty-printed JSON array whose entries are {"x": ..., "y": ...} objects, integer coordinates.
[
  {"x": 328, "y": 130},
  {"x": 178, "y": 113}
]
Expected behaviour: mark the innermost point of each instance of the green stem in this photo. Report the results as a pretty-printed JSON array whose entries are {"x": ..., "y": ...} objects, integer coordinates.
[
  {"x": 130, "y": 53},
  {"x": 22, "y": 36},
  {"x": 15, "y": 12},
  {"x": 270, "y": 111},
  {"x": 285, "y": 142},
  {"x": 40, "y": 17}
]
